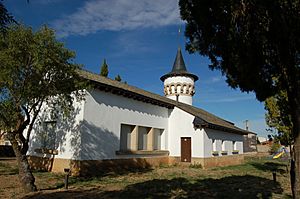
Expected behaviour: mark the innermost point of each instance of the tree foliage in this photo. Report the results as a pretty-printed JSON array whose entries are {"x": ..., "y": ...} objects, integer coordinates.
[
  {"x": 5, "y": 18},
  {"x": 256, "y": 45},
  {"x": 35, "y": 70},
  {"x": 249, "y": 41},
  {"x": 104, "y": 69},
  {"x": 118, "y": 78},
  {"x": 278, "y": 117}
]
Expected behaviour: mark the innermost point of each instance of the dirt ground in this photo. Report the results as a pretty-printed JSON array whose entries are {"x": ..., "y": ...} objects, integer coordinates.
[{"x": 252, "y": 180}]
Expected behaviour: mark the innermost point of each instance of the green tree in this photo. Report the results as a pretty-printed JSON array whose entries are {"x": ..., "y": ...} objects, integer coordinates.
[
  {"x": 118, "y": 78},
  {"x": 251, "y": 43},
  {"x": 278, "y": 117},
  {"x": 5, "y": 18},
  {"x": 104, "y": 69},
  {"x": 35, "y": 70}
]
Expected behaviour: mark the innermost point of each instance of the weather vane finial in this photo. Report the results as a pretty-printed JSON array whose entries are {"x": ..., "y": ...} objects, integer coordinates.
[{"x": 179, "y": 31}]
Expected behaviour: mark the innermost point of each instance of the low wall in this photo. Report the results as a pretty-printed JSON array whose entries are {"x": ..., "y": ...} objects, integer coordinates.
[{"x": 263, "y": 148}]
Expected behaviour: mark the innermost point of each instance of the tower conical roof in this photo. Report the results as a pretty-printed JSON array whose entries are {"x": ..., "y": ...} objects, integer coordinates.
[
  {"x": 179, "y": 68},
  {"x": 179, "y": 65}
]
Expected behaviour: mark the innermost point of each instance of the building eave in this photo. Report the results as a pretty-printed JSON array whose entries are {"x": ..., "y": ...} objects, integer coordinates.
[
  {"x": 200, "y": 123},
  {"x": 175, "y": 74},
  {"x": 132, "y": 95},
  {"x": 204, "y": 118}
]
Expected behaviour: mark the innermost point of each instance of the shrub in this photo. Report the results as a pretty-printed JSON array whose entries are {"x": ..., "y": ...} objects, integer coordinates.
[{"x": 274, "y": 147}]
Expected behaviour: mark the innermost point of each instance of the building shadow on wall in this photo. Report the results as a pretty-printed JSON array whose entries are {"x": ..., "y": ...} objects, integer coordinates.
[
  {"x": 98, "y": 153},
  {"x": 228, "y": 187}
]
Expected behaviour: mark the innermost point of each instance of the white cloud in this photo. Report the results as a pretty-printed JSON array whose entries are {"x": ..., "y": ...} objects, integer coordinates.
[
  {"x": 229, "y": 99},
  {"x": 116, "y": 15},
  {"x": 215, "y": 79}
]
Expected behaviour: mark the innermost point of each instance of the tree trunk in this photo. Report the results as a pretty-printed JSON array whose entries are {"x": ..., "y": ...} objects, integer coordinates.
[
  {"x": 296, "y": 165},
  {"x": 295, "y": 162},
  {"x": 25, "y": 175}
]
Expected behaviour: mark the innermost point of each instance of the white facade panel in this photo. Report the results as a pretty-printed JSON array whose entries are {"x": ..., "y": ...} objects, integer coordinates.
[
  {"x": 103, "y": 115},
  {"x": 181, "y": 125},
  {"x": 178, "y": 79},
  {"x": 67, "y": 133},
  {"x": 224, "y": 142}
]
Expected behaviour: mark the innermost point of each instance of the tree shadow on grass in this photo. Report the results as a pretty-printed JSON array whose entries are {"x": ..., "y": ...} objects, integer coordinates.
[
  {"x": 228, "y": 187},
  {"x": 271, "y": 166}
]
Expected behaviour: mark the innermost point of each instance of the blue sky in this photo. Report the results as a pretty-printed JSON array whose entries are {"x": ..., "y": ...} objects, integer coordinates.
[{"x": 139, "y": 40}]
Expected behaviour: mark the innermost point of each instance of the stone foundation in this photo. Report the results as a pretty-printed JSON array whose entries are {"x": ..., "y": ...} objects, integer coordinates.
[
  {"x": 96, "y": 167},
  {"x": 53, "y": 164},
  {"x": 218, "y": 161},
  {"x": 102, "y": 167}
]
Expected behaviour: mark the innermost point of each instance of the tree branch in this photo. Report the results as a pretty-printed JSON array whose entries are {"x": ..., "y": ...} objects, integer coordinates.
[{"x": 33, "y": 120}]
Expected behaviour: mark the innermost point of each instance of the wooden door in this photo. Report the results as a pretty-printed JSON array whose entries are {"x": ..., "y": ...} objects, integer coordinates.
[{"x": 186, "y": 150}]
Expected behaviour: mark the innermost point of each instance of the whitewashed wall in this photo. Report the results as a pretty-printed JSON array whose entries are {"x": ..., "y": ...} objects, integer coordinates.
[
  {"x": 181, "y": 125},
  {"x": 184, "y": 98},
  {"x": 211, "y": 134},
  {"x": 93, "y": 130},
  {"x": 103, "y": 115},
  {"x": 67, "y": 130}
]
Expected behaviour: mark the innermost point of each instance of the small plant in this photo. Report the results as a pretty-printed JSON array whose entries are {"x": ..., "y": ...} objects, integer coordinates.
[
  {"x": 175, "y": 164},
  {"x": 235, "y": 152},
  {"x": 163, "y": 165},
  {"x": 274, "y": 147},
  {"x": 196, "y": 166}
]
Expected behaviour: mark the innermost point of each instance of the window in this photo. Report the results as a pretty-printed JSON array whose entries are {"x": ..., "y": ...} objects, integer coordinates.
[
  {"x": 142, "y": 137},
  {"x": 48, "y": 135},
  {"x": 139, "y": 138},
  {"x": 125, "y": 138},
  {"x": 157, "y": 139}
]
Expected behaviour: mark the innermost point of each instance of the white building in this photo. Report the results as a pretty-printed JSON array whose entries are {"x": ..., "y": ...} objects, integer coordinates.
[{"x": 121, "y": 126}]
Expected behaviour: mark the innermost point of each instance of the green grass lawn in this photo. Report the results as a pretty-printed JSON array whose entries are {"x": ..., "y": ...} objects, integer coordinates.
[{"x": 251, "y": 180}]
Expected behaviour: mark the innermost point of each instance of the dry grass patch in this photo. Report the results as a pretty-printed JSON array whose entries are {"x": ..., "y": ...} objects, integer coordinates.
[{"x": 251, "y": 180}]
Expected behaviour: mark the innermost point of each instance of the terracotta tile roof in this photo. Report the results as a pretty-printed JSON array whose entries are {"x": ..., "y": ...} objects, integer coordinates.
[{"x": 202, "y": 119}]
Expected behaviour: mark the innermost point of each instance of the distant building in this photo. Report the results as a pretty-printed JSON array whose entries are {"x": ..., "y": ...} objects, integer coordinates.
[
  {"x": 262, "y": 139},
  {"x": 3, "y": 140},
  {"x": 250, "y": 142},
  {"x": 121, "y": 126}
]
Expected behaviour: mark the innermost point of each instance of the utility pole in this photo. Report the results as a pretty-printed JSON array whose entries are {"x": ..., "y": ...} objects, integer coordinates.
[{"x": 247, "y": 124}]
